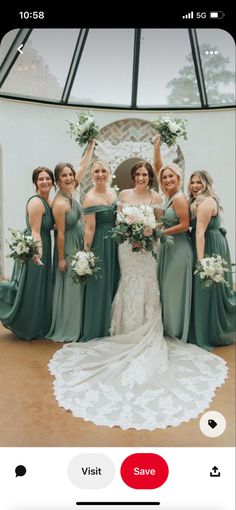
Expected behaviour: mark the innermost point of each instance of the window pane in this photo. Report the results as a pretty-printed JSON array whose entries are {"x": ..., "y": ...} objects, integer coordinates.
[
  {"x": 166, "y": 70},
  {"x": 104, "y": 74},
  {"x": 217, "y": 50},
  {"x": 6, "y": 42},
  {"x": 42, "y": 69}
]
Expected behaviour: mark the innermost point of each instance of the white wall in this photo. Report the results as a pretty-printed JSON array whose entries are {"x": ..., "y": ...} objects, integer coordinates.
[{"x": 33, "y": 135}]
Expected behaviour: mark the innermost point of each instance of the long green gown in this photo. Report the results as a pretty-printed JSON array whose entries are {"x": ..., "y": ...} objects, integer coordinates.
[
  {"x": 99, "y": 294},
  {"x": 66, "y": 310},
  {"x": 26, "y": 299},
  {"x": 214, "y": 308},
  {"x": 174, "y": 273}
]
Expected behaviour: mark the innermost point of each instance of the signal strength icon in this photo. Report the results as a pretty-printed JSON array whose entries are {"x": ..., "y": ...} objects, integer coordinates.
[{"x": 188, "y": 16}]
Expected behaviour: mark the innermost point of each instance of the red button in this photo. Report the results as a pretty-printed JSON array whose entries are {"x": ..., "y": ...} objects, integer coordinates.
[{"x": 144, "y": 471}]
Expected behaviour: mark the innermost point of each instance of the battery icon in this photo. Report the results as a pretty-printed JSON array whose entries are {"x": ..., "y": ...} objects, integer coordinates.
[{"x": 217, "y": 14}]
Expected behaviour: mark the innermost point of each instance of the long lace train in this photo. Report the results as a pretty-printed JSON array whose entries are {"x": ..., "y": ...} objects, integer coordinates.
[{"x": 136, "y": 378}]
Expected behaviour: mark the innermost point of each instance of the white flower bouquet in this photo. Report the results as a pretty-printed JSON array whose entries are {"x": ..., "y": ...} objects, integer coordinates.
[
  {"x": 84, "y": 265},
  {"x": 24, "y": 248},
  {"x": 138, "y": 226},
  {"x": 170, "y": 129},
  {"x": 211, "y": 270},
  {"x": 84, "y": 129}
]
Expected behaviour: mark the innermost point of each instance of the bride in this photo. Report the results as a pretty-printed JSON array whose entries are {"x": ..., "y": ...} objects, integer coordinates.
[{"x": 136, "y": 378}]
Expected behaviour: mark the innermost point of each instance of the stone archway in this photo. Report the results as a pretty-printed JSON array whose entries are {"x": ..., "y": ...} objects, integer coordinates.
[{"x": 129, "y": 139}]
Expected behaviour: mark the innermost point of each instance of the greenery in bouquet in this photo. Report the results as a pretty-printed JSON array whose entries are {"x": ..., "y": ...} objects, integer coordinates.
[
  {"x": 23, "y": 247},
  {"x": 211, "y": 270},
  {"x": 171, "y": 129},
  {"x": 84, "y": 129},
  {"x": 84, "y": 265}
]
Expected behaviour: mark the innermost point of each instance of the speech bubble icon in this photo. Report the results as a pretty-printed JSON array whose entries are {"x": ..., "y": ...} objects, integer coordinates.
[{"x": 20, "y": 470}]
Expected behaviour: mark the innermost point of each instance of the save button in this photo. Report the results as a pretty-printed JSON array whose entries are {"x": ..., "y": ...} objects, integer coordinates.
[{"x": 144, "y": 471}]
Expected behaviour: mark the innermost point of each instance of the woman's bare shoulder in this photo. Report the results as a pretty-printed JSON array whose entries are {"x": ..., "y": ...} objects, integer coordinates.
[
  {"x": 35, "y": 203},
  {"x": 89, "y": 199},
  {"x": 156, "y": 197},
  {"x": 60, "y": 204},
  {"x": 207, "y": 203},
  {"x": 125, "y": 193}
]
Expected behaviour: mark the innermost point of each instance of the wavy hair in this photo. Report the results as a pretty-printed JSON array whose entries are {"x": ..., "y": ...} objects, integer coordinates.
[{"x": 207, "y": 191}]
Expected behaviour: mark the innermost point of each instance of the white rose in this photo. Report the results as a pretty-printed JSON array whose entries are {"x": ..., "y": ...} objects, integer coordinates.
[
  {"x": 173, "y": 127},
  {"x": 22, "y": 249},
  {"x": 218, "y": 278},
  {"x": 210, "y": 271}
]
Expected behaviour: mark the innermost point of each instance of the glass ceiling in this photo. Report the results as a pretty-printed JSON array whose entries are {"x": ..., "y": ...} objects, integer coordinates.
[{"x": 120, "y": 68}]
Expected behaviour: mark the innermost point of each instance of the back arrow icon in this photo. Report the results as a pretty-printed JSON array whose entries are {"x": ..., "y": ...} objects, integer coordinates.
[{"x": 19, "y": 49}]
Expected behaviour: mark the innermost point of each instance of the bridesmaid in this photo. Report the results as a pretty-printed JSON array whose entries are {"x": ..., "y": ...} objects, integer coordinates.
[
  {"x": 67, "y": 212},
  {"x": 213, "y": 309},
  {"x": 175, "y": 262},
  {"x": 99, "y": 210},
  {"x": 25, "y": 301}
]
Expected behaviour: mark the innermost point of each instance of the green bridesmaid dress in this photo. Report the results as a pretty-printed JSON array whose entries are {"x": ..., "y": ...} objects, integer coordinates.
[
  {"x": 174, "y": 272},
  {"x": 99, "y": 294},
  {"x": 213, "y": 309},
  {"x": 66, "y": 309},
  {"x": 26, "y": 300}
]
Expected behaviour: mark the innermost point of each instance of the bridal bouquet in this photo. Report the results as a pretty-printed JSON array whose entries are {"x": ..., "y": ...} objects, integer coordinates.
[
  {"x": 170, "y": 129},
  {"x": 24, "y": 248},
  {"x": 211, "y": 270},
  {"x": 137, "y": 225},
  {"x": 84, "y": 265},
  {"x": 84, "y": 129}
]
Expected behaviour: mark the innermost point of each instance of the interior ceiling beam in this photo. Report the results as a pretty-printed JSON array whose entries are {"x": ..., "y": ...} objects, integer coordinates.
[{"x": 74, "y": 64}]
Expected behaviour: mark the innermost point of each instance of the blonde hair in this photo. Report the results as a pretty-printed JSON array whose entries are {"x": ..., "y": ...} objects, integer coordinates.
[
  {"x": 101, "y": 162},
  {"x": 207, "y": 191},
  {"x": 177, "y": 171}
]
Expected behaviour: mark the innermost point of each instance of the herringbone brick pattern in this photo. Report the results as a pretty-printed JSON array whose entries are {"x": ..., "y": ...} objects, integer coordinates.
[{"x": 129, "y": 130}]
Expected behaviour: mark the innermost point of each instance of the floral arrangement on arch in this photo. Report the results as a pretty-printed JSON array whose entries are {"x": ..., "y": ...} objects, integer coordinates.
[
  {"x": 84, "y": 129},
  {"x": 170, "y": 129}
]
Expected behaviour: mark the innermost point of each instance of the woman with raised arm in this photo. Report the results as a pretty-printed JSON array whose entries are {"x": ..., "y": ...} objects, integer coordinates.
[
  {"x": 213, "y": 309},
  {"x": 175, "y": 264},
  {"x": 67, "y": 212},
  {"x": 26, "y": 300},
  {"x": 100, "y": 205}
]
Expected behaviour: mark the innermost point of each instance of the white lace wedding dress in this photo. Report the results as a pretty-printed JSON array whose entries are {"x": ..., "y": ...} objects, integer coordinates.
[{"x": 136, "y": 378}]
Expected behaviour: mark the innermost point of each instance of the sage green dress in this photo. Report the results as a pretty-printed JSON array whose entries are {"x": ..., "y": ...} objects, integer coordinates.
[
  {"x": 213, "y": 312},
  {"x": 66, "y": 311},
  {"x": 174, "y": 272},
  {"x": 98, "y": 293},
  {"x": 26, "y": 299}
]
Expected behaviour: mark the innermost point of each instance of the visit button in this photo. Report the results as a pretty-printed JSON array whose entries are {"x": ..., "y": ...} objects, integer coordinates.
[{"x": 144, "y": 471}]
